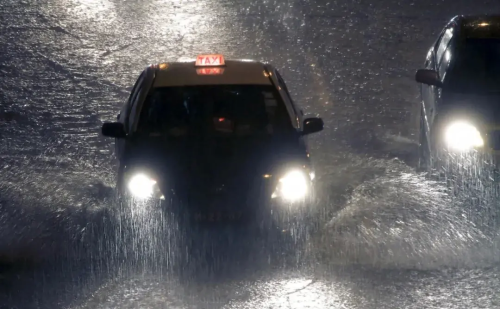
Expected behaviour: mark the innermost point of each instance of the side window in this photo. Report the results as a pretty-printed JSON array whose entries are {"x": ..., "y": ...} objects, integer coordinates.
[
  {"x": 133, "y": 106},
  {"x": 282, "y": 83},
  {"x": 285, "y": 88},
  {"x": 124, "y": 113},
  {"x": 445, "y": 63},
  {"x": 443, "y": 45},
  {"x": 429, "y": 60},
  {"x": 438, "y": 41}
]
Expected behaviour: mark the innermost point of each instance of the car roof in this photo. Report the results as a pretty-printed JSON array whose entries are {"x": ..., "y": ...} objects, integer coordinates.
[
  {"x": 234, "y": 72},
  {"x": 480, "y": 26}
]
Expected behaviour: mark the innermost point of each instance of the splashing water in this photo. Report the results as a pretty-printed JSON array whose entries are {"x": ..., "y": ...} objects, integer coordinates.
[{"x": 401, "y": 219}]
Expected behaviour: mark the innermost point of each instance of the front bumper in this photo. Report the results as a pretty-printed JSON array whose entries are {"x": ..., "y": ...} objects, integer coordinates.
[
  {"x": 253, "y": 201},
  {"x": 253, "y": 205}
]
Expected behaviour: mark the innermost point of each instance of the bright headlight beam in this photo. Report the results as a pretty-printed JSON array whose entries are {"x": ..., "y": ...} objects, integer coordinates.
[
  {"x": 293, "y": 186},
  {"x": 463, "y": 136},
  {"x": 141, "y": 186}
]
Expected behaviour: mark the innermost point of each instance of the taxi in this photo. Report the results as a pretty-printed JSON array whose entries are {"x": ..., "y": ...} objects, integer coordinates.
[
  {"x": 221, "y": 138},
  {"x": 460, "y": 92}
]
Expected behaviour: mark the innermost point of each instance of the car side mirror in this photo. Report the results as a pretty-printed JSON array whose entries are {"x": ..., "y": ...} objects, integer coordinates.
[
  {"x": 113, "y": 129},
  {"x": 428, "y": 77},
  {"x": 312, "y": 125}
]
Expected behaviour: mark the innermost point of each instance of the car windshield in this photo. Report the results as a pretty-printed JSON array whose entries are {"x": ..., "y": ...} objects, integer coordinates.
[
  {"x": 228, "y": 110},
  {"x": 477, "y": 67}
]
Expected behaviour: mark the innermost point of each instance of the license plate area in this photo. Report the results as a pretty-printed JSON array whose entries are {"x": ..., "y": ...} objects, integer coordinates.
[{"x": 218, "y": 216}]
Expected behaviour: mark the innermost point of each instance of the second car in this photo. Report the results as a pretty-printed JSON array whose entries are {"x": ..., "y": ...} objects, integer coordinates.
[{"x": 460, "y": 91}]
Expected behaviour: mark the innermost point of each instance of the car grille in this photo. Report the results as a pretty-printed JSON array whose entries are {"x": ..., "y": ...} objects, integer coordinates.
[
  {"x": 229, "y": 194},
  {"x": 493, "y": 139}
]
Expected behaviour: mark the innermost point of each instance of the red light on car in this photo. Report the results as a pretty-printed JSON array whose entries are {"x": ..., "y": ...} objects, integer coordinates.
[
  {"x": 210, "y": 71},
  {"x": 210, "y": 60},
  {"x": 222, "y": 124}
]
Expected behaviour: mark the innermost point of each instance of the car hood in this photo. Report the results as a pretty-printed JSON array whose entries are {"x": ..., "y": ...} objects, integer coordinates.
[{"x": 483, "y": 109}]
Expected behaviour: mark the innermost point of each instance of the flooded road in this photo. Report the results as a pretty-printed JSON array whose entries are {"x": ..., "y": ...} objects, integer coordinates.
[{"x": 391, "y": 238}]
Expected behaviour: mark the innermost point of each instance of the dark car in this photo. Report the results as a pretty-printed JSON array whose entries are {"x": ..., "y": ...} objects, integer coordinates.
[
  {"x": 460, "y": 91},
  {"x": 221, "y": 138}
]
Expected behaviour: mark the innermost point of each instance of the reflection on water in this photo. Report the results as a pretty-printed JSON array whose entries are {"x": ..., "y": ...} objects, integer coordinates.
[{"x": 90, "y": 10}]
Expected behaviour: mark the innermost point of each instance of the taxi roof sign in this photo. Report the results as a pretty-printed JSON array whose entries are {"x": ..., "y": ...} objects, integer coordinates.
[{"x": 210, "y": 60}]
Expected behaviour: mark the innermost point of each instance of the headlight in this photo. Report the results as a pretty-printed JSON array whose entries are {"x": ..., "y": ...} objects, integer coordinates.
[
  {"x": 463, "y": 136},
  {"x": 293, "y": 186},
  {"x": 141, "y": 186}
]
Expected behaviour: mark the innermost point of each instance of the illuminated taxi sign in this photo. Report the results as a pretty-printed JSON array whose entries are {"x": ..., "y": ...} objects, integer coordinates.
[
  {"x": 210, "y": 61},
  {"x": 210, "y": 71}
]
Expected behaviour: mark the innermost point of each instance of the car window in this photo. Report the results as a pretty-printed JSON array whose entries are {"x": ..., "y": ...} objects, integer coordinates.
[
  {"x": 133, "y": 99},
  {"x": 429, "y": 60},
  {"x": 136, "y": 104},
  {"x": 124, "y": 112},
  {"x": 445, "y": 62},
  {"x": 236, "y": 110},
  {"x": 477, "y": 67},
  {"x": 443, "y": 45},
  {"x": 438, "y": 41},
  {"x": 283, "y": 85}
]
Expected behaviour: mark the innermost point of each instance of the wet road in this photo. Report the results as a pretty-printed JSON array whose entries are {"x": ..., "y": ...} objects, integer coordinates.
[{"x": 391, "y": 238}]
